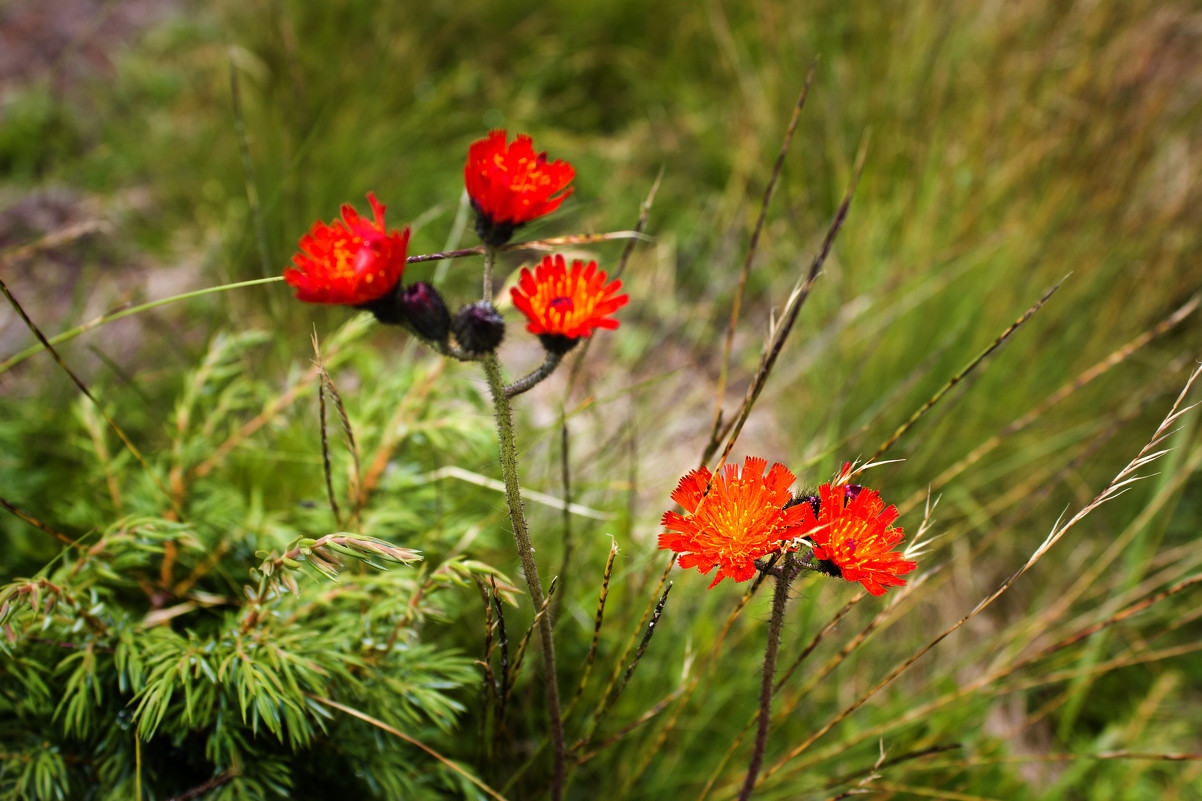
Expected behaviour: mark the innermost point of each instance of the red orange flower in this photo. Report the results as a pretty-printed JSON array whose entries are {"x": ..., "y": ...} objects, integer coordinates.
[
  {"x": 510, "y": 184},
  {"x": 739, "y": 520},
  {"x": 349, "y": 261},
  {"x": 851, "y": 532},
  {"x": 564, "y": 304}
]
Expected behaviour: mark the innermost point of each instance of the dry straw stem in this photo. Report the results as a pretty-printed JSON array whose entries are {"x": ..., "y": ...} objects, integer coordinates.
[
  {"x": 38, "y": 524},
  {"x": 1118, "y": 356},
  {"x": 125, "y": 311},
  {"x": 778, "y": 332},
  {"x": 535, "y": 623},
  {"x": 712, "y": 656},
  {"x": 960, "y": 376},
  {"x": 640, "y": 226},
  {"x": 325, "y": 385},
  {"x": 379, "y": 724},
  {"x": 597, "y": 619},
  {"x": 631, "y": 726},
  {"x": 83, "y": 388},
  {"x": 737, "y": 302},
  {"x": 1127, "y": 476}
]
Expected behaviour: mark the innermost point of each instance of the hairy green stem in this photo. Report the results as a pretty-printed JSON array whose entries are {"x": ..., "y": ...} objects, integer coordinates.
[
  {"x": 780, "y": 599},
  {"x": 490, "y": 257},
  {"x": 531, "y": 380},
  {"x": 513, "y": 497}
]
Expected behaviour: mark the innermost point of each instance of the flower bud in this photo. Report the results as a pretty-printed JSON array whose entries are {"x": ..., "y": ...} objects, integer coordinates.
[
  {"x": 479, "y": 328},
  {"x": 425, "y": 310},
  {"x": 558, "y": 343}
]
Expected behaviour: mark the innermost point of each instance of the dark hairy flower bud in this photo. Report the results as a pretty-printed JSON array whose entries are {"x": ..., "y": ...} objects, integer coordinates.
[
  {"x": 558, "y": 343},
  {"x": 479, "y": 328},
  {"x": 425, "y": 310}
]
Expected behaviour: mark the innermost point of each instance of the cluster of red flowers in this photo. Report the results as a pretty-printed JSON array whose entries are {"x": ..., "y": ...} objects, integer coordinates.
[
  {"x": 358, "y": 263},
  {"x": 734, "y": 519}
]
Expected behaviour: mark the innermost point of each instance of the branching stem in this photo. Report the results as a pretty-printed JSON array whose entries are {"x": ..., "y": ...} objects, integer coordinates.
[{"x": 513, "y": 497}]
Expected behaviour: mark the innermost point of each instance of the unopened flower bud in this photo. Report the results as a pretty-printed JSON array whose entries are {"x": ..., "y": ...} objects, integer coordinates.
[
  {"x": 425, "y": 310},
  {"x": 479, "y": 328}
]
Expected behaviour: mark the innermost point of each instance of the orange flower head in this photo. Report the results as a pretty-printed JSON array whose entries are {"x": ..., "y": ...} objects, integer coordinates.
[
  {"x": 740, "y": 519},
  {"x": 851, "y": 532},
  {"x": 350, "y": 261},
  {"x": 510, "y": 184},
  {"x": 564, "y": 305}
]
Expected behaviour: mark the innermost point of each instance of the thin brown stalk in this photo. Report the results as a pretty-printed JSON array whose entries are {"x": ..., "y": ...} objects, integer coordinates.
[
  {"x": 1117, "y": 617},
  {"x": 737, "y": 301},
  {"x": 1118, "y": 356},
  {"x": 638, "y": 654},
  {"x": 533, "y": 244},
  {"x": 960, "y": 376},
  {"x": 640, "y": 226},
  {"x": 51, "y": 241},
  {"x": 270, "y": 410},
  {"x": 137, "y": 454},
  {"x": 714, "y": 652},
  {"x": 326, "y": 387},
  {"x": 534, "y": 624},
  {"x": 503, "y": 646},
  {"x": 325, "y": 447},
  {"x": 621, "y": 660},
  {"x": 38, "y": 524},
  {"x": 897, "y": 760},
  {"x": 631, "y": 726},
  {"x": 780, "y": 332},
  {"x": 598, "y": 616},
  {"x": 379, "y": 724}
]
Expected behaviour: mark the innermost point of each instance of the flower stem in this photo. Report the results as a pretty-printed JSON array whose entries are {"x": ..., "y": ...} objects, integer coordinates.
[
  {"x": 779, "y": 599},
  {"x": 532, "y": 379},
  {"x": 490, "y": 257},
  {"x": 513, "y": 497}
]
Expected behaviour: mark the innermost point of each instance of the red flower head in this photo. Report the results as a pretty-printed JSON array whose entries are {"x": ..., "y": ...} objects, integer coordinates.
[
  {"x": 851, "y": 533},
  {"x": 739, "y": 520},
  {"x": 563, "y": 306},
  {"x": 350, "y": 261},
  {"x": 511, "y": 184}
]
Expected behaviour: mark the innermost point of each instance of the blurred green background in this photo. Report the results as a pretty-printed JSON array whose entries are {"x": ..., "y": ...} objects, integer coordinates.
[{"x": 1009, "y": 146}]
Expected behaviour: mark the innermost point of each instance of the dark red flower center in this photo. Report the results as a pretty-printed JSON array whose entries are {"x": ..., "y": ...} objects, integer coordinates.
[{"x": 562, "y": 304}]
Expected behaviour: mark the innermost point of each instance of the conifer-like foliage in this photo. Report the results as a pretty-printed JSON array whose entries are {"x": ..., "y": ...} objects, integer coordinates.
[{"x": 205, "y": 655}]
